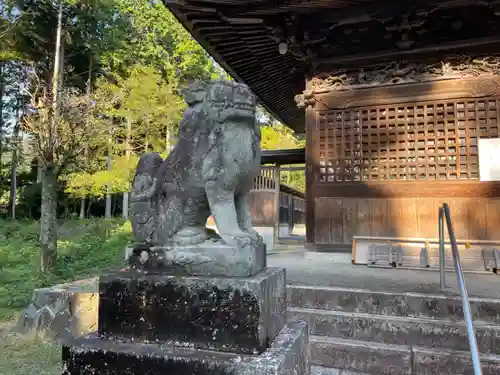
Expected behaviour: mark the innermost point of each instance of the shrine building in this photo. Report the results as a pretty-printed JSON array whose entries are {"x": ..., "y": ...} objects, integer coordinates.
[{"x": 399, "y": 102}]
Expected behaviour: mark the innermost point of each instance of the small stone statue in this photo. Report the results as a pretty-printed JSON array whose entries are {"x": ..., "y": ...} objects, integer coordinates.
[
  {"x": 142, "y": 207},
  {"x": 210, "y": 171}
]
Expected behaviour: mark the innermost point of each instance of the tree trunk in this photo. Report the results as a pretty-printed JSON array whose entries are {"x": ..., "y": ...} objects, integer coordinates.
[
  {"x": 167, "y": 139},
  {"x": 48, "y": 224},
  {"x": 125, "y": 205},
  {"x": 82, "y": 209},
  {"x": 2, "y": 93},
  {"x": 86, "y": 150},
  {"x": 107, "y": 213},
  {"x": 39, "y": 171},
  {"x": 88, "y": 207},
  {"x": 82, "y": 201},
  {"x": 13, "y": 186},
  {"x": 14, "y": 161},
  {"x": 127, "y": 155},
  {"x": 56, "y": 76},
  {"x": 48, "y": 214}
]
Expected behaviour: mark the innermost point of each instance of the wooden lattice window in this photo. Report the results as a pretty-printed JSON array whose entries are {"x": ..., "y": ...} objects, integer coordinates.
[
  {"x": 266, "y": 180},
  {"x": 421, "y": 141}
]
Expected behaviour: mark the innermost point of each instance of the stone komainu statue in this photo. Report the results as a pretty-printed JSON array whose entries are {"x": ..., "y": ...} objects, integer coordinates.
[{"x": 210, "y": 171}]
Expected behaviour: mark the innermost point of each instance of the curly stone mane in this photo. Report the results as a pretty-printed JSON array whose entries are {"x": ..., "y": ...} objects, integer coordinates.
[{"x": 209, "y": 104}]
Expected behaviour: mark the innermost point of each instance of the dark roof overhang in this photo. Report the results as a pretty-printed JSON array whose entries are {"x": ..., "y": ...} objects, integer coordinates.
[
  {"x": 326, "y": 35},
  {"x": 283, "y": 157}
]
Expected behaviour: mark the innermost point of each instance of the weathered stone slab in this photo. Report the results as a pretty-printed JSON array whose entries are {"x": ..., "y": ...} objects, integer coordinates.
[
  {"x": 422, "y": 332},
  {"x": 420, "y": 305},
  {"x": 448, "y": 362},
  {"x": 94, "y": 355},
  {"x": 287, "y": 355},
  {"x": 324, "y": 323},
  {"x": 369, "y": 357},
  {"x": 230, "y": 314},
  {"x": 62, "y": 310},
  {"x": 211, "y": 258},
  {"x": 495, "y": 339},
  {"x": 395, "y": 330},
  {"x": 345, "y": 299},
  {"x": 450, "y": 307}
]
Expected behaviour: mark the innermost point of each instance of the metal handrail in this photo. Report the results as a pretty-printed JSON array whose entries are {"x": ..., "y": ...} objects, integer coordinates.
[{"x": 444, "y": 214}]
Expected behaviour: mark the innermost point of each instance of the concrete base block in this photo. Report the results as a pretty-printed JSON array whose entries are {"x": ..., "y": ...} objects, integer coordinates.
[
  {"x": 227, "y": 314},
  {"x": 61, "y": 311},
  {"x": 287, "y": 355}
]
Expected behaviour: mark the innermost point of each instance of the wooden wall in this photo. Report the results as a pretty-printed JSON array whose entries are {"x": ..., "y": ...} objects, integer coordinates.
[
  {"x": 380, "y": 161},
  {"x": 337, "y": 220},
  {"x": 263, "y": 207}
]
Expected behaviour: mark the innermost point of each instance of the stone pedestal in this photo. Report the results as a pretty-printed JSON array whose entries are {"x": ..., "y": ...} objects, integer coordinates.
[
  {"x": 230, "y": 314},
  {"x": 212, "y": 258},
  {"x": 188, "y": 325}
]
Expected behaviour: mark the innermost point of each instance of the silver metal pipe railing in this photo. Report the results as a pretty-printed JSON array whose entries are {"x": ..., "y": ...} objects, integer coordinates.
[
  {"x": 442, "y": 255},
  {"x": 444, "y": 214}
]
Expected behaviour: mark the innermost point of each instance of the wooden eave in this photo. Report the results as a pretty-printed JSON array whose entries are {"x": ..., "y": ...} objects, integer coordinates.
[
  {"x": 322, "y": 35},
  {"x": 284, "y": 188},
  {"x": 283, "y": 157}
]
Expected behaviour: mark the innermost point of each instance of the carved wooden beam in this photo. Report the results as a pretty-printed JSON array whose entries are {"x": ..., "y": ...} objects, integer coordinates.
[
  {"x": 327, "y": 19},
  {"x": 486, "y": 68},
  {"x": 374, "y": 58}
]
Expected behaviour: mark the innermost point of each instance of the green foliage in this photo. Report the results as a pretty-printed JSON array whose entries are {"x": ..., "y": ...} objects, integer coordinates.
[
  {"x": 159, "y": 40},
  {"x": 143, "y": 96},
  {"x": 29, "y": 201},
  {"x": 277, "y": 136},
  {"x": 118, "y": 178},
  {"x": 295, "y": 179},
  {"x": 143, "y": 102},
  {"x": 86, "y": 248},
  {"x": 129, "y": 59}
]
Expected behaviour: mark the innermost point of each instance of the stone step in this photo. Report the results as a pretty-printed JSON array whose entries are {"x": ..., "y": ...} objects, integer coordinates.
[
  {"x": 320, "y": 370},
  {"x": 418, "y": 305},
  {"x": 376, "y": 358},
  {"x": 397, "y": 330},
  {"x": 369, "y": 357},
  {"x": 451, "y": 362}
]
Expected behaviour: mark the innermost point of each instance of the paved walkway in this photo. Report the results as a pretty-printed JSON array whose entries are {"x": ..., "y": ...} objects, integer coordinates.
[{"x": 327, "y": 269}]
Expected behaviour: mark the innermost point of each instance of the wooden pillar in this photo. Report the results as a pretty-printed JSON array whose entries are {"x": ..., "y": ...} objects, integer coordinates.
[
  {"x": 310, "y": 164},
  {"x": 277, "y": 184},
  {"x": 290, "y": 214}
]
